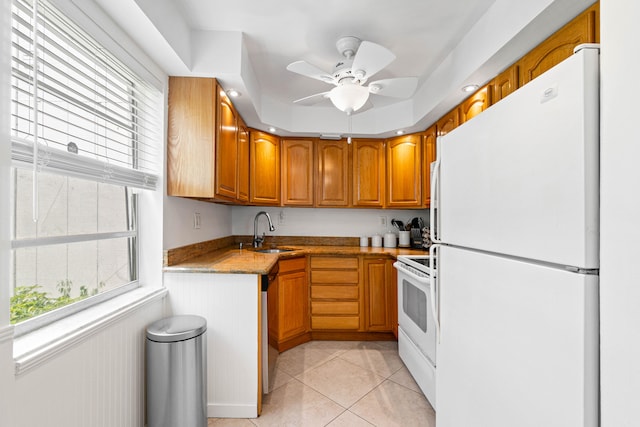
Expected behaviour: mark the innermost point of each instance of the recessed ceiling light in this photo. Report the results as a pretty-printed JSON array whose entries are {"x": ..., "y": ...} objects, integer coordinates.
[
  {"x": 469, "y": 88},
  {"x": 233, "y": 93},
  {"x": 272, "y": 129},
  {"x": 399, "y": 132}
]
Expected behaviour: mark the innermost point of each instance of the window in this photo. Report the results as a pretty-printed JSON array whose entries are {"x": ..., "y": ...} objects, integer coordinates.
[{"x": 85, "y": 139}]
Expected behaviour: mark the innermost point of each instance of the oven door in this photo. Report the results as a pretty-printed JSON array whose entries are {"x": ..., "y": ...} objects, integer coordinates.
[{"x": 415, "y": 316}]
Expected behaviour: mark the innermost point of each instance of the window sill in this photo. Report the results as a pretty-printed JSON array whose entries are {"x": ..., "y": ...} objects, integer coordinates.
[{"x": 35, "y": 348}]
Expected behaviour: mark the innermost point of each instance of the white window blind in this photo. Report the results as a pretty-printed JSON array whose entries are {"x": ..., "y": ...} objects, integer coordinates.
[{"x": 93, "y": 117}]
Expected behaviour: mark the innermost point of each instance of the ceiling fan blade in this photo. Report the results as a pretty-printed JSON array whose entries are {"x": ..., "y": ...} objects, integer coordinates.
[
  {"x": 371, "y": 58},
  {"x": 313, "y": 99},
  {"x": 309, "y": 70},
  {"x": 400, "y": 87}
]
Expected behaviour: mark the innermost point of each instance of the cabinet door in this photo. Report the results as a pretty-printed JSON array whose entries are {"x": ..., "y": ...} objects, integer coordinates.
[
  {"x": 504, "y": 84},
  {"x": 243, "y": 162},
  {"x": 190, "y": 146},
  {"x": 368, "y": 170},
  {"x": 297, "y": 172},
  {"x": 265, "y": 168},
  {"x": 475, "y": 104},
  {"x": 380, "y": 297},
  {"x": 559, "y": 46},
  {"x": 448, "y": 122},
  {"x": 332, "y": 173},
  {"x": 293, "y": 299},
  {"x": 429, "y": 156},
  {"x": 404, "y": 171},
  {"x": 226, "y": 171}
]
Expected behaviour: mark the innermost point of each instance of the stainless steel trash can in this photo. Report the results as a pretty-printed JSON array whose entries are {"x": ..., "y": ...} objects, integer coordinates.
[{"x": 177, "y": 372}]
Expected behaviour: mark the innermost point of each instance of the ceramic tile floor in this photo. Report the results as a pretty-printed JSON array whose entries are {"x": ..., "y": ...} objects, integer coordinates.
[{"x": 341, "y": 383}]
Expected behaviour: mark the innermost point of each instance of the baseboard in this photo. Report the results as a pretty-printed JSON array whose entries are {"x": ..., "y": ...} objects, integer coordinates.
[
  {"x": 215, "y": 410},
  {"x": 352, "y": 336},
  {"x": 292, "y": 342}
]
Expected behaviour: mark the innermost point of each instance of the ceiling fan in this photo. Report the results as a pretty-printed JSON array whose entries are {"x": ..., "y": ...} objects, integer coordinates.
[{"x": 362, "y": 59}]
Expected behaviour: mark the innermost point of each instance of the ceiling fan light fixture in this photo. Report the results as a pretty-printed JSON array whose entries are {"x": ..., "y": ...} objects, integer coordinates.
[{"x": 349, "y": 97}]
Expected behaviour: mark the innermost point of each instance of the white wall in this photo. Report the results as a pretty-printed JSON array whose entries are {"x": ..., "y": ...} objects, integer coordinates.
[
  {"x": 6, "y": 331},
  {"x": 230, "y": 303},
  {"x": 320, "y": 222},
  {"x": 98, "y": 382},
  {"x": 620, "y": 214},
  {"x": 215, "y": 221}
]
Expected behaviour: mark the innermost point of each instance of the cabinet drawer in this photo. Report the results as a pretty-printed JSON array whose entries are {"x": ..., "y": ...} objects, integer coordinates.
[
  {"x": 334, "y": 307},
  {"x": 334, "y": 276},
  {"x": 293, "y": 264},
  {"x": 334, "y": 263},
  {"x": 335, "y": 322},
  {"x": 334, "y": 292}
]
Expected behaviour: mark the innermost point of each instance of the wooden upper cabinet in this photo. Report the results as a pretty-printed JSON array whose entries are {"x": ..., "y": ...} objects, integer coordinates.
[
  {"x": 226, "y": 170},
  {"x": 243, "y": 162},
  {"x": 332, "y": 179},
  {"x": 448, "y": 122},
  {"x": 429, "y": 156},
  {"x": 297, "y": 172},
  {"x": 203, "y": 155},
  {"x": 504, "y": 84},
  {"x": 265, "y": 168},
  {"x": 368, "y": 171},
  {"x": 404, "y": 171},
  {"x": 191, "y": 133},
  {"x": 560, "y": 45},
  {"x": 475, "y": 104}
]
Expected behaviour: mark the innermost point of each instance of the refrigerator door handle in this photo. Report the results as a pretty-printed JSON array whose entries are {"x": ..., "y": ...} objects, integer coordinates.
[
  {"x": 433, "y": 285},
  {"x": 434, "y": 222}
]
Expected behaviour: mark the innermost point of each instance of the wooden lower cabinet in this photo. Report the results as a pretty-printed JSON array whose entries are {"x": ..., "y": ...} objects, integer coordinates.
[
  {"x": 336, "y": 293},
  {"x": 288, "y": 305},
  {"x": 381, "y": 296},
  {"x": 338, "y": 297}
]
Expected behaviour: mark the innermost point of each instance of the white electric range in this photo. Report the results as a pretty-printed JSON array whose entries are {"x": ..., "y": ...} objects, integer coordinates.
[{"x": 417, "y": 324}]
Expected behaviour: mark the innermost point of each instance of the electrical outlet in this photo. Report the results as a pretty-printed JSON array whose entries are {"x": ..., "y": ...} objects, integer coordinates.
[
  {"x": 196, "y": 220},
  {"x": 383, "y": 221},
  {"x": 281, "y": 217}
]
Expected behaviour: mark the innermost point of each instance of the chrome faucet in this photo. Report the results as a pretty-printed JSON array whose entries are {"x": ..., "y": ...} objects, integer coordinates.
[{"x": 257, "y": 240}]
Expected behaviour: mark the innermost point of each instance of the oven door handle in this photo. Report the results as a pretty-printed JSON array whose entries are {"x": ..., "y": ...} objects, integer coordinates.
[{"x": 433, "y": 288}]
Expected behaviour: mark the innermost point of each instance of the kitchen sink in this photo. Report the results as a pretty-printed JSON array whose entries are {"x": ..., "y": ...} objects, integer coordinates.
[{"x": 273, "y": 250}]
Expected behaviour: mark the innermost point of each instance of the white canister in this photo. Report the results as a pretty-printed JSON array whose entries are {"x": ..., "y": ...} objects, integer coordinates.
[
  {"x": 364, "y": 241},
  {"x": 376, "y": 241},
  {"x": 389, "y": 240},
  {"x": 405, "y": 239}
]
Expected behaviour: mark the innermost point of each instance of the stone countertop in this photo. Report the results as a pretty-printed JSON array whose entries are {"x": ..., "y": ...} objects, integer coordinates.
[{"x": 232, "y": 260}]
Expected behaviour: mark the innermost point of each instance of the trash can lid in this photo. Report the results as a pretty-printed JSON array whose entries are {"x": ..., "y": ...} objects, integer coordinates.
[{"x": 176, "y": 328}]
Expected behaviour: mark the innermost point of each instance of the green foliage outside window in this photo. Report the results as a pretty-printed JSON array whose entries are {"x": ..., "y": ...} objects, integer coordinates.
[{"x": 31, "y": 301}]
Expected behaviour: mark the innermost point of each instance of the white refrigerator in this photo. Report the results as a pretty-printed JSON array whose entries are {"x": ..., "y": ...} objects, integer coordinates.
[{"x": 516, "y": 194}]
